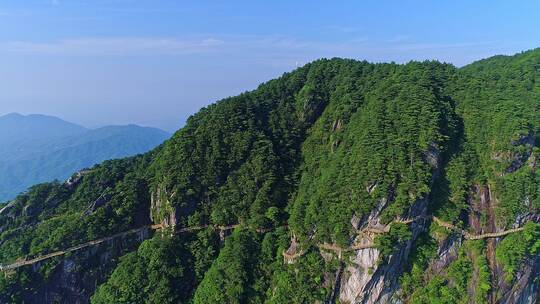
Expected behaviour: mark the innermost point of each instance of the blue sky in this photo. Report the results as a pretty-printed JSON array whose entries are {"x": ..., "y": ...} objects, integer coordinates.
[{"x": 154, "y": 62}]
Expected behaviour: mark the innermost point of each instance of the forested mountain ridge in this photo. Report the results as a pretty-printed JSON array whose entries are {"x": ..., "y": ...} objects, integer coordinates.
[
  {"x": 347, "y": 182},
  {"x": 38, "y": 148}
]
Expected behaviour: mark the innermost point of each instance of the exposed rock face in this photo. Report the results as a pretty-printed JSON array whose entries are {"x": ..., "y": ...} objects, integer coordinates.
[
  {"x": 524, "y": 218},
  {"x": 357, "y": 277},
  {"x": 369, "y": 282},
  {"x": 532, "y": 161},
  {"x": 161, "y": 209},
  {"x": 290, "y": 253},
  {"x": 102, "y": 200},
  {"x": 76, "y": 178},
  {"x": 433, "y": 156},
  {"x": 312, "y": 107},
  {"x": 447, "y": 253},
  {"x": 372, "y": 219},
  {"x": 76, "y": 277},
  {"x": 164, "y": 208},
  {"x": 520, "y": 157},
  {"x": 336, "y": 125},
  {"x": 526, "y": 287},
  {"x": 6, "y": 209}
]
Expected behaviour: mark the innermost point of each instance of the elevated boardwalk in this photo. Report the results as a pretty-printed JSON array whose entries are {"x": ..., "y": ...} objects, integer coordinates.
[
  {"x": 290, "y": 256},
  {"x": 35, "y": 260},
  {"x": 26, "y": 262},
  {"x": 287, "y": 255}
]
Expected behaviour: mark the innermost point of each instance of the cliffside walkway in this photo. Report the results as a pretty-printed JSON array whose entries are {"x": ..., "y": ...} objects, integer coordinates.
[
  {"x": 21, "y": 263},
  {"x": 286, "y": 255},
  {"x": 470, "y": 236},
  {"x": 290, "y": 256},
  {"x": 25, "y": 262}
]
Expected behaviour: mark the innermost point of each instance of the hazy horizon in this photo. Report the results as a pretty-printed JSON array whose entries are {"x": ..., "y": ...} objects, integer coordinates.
[
  {"x": 154, "y": 63},
  {"x": 79, "y": 124}
]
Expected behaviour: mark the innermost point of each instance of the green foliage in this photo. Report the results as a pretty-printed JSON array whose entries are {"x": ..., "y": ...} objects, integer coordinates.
[
  {"x": 515, "y": 247},
  {"x": 437, "y": 291},
  {"x": 300, "y": 282},
  {"x": 448, "y": 288},
  {"x": 235, "y": 159},
  {"x": 499, "y": 105},
  {"x": 243, "y": 270},
  {"x": 231, "y": 277},
  {"x": 480, "y": 264},
  {"x": 370, "y": 144},
  {"x": 54, "y": 216},
  {"x": 455, "y": 283},
  {"x": 204, "y": 248},
  {"x": 424, "y": 249},
  {"x": 460, "y": 272},
  {"x": 157, "y": 273},
  {"x": 10, "y": 286},
  {"x": 520, "y": 193},
  {"x": 387, "y": 243},
  {"x": 451, "y": 191}
]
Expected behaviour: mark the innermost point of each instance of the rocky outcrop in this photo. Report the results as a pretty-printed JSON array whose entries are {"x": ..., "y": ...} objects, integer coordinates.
[
  {"x": 526, "y": 288},
  {"x": 292, "y": 252},
  {"x": 446, "y": 253},
  {"x": 312, "y": 104},
  {"x": 5, "y": 210},
  {"x": 76, "y": 178},
  {"x": 524, "y": 218},
  {"x": 518, "y": 157},
  {"x": 76, "y": 277},
  {"x": 336, "y": 284},
  {"x": 366, "y": 280},
  {"x": 162, "y": 209},
  {"x": 165, "y": 209},
  {"x": 102, "y": 200},
  {"x": 433, "y": 157},
  {"x": 358, "y": 275}
]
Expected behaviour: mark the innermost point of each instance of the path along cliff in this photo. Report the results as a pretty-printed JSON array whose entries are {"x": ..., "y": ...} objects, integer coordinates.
[{"x": 287, "y": 256}]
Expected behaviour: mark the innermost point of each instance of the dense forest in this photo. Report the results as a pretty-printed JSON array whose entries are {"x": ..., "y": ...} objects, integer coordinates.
[{"x": 340, "y": 182}]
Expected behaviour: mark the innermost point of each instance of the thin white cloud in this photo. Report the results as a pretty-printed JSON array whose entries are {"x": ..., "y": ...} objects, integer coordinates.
[
  {"x": 403, "y": 43},
  {"x": 113, "y": 46},
  {"x": 446, "y": 46},
  {"x": 271, "y": 49},
  {"x": 286, "y": 51}
]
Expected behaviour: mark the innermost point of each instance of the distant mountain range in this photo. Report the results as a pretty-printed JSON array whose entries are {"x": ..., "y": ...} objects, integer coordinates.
[{"x": 39, "y": 148}]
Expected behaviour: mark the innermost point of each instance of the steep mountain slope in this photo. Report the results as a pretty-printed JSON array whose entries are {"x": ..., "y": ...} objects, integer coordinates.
[
  {"x": 39, "y": 148},
  {"x": 342, "y": 181}
]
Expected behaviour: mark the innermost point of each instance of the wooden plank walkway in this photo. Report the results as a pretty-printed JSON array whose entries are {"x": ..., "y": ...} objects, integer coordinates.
[
  {"x": 336, "y": 248},
  {"x": 35, "y": 260},
  {"x": 21, "y": 263},
  {"x": 289, "y": 256}
]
